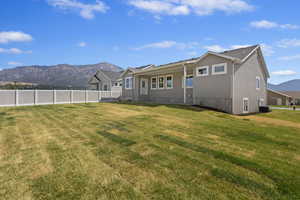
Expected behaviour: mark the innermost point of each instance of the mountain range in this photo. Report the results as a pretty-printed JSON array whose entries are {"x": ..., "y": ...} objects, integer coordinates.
[
  {"x": 292, "y": 85},
  {"x": 72, "y": 76}
]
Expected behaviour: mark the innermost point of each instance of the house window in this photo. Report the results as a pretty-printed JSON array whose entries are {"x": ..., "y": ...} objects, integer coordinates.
[
  {"x": 257, "y": 82},
  {"x": 202, "y": 71},
  {"x": 169, "y": 79},
  {"x": 219, "y": 69},
  {"x": 188, "y": 81},
  {"x": 105, "y": 88},
  {"x": 161, "y": 82},
  {"x": 245, "y": 105},
  {"x": 154, "y": 83},
  {"x": 128, "y": 83}
]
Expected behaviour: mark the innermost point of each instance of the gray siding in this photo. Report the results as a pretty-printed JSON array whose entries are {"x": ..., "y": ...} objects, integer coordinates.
[
  {"x": 214, "y": 91},
  {"x": 128, "y": 94},
  {"x": 174, "y": 95},
  {"x": 245, "y": 85},
  {"x": 104, "y": 81}
]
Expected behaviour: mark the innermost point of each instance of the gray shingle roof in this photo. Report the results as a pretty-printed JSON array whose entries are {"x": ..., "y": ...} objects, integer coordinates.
[
  {"x": 112, "y": 75},
  {"x": 240, "y": 53}
]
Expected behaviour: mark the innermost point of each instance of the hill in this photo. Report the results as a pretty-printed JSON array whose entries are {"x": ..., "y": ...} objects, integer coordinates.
[
  {"x": 65, "y": 75},
  {"x": 292, "y": 85}
]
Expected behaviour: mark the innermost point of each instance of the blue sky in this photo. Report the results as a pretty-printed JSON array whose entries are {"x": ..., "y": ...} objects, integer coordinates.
[{"x": 139, "y": 32}]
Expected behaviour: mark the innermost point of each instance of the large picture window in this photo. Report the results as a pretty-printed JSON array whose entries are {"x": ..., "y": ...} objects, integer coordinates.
[
  {"x": 128, "y": 83},
  {"x": 169, "y": 80},
  {"x": 219, "y": 69},
  {"x": 154, "y": 83},
  {"x": 161, "y": 82},
  {"x": 188, "y": 81}
]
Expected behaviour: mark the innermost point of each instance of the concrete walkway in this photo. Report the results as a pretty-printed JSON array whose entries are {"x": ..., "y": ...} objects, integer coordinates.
[{"x": 283, "y": 108}]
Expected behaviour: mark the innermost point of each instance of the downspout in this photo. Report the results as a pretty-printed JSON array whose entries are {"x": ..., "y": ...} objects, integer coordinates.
[
  {"x": 184, "y": 84},
  {"x": 233, "y": 88}
]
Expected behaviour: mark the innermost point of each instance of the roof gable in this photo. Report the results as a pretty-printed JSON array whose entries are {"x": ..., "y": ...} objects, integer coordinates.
[
  {"x": 240, "y": 53},
  {"x": 111, "y": 75}
]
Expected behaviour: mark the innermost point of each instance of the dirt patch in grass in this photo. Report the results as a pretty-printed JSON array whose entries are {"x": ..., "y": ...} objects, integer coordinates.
[
  {"x": 122, "y": 113},
  {"x": 172, "y": 121},
  {"x": 175, "y": 133},
  {"x": 214, "y": 137},
  {"x": 266, "y": 120},
  {"x": 44, "y": 167}
]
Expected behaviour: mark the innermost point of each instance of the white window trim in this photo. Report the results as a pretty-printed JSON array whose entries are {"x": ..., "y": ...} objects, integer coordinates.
[
  {"x": 163, "y": 82},
  {"x": 166, "y": 86},
  {"x": 156, "y": 83},
  {"x": 257, "y": 78},
  {"x": 184, "y": 80},
  {"x": 202, "y": 67},
  {"x": 247, "y": 99},
  {"x": 217, "y": 65},
  {"x": 128, "y": 78}
]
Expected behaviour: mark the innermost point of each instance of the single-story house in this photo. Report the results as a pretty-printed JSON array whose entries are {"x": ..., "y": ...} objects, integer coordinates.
[
  {"x": 233, "y": 81},
  {"x": 105, "y": 80},
  {"x": 295, "y": 96},
  {"x": 278, "y": 98}
]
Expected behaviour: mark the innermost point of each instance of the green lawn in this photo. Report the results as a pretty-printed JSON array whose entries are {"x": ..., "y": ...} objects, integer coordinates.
[
  {"x": 122, "y": 151},
  {"x": 297, "y": 106},
  {"x": 288, "y": 115}
]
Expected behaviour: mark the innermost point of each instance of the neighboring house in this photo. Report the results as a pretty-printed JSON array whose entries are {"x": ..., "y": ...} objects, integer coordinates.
[
  {"x": 278, "y": 98},
  {"x": 295, "y": 96},
  {"x": 105, "y": 80},
  {"x": 233, "y": 81}
]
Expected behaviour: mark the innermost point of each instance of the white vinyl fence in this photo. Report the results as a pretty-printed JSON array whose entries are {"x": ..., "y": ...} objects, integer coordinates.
[{"x": 45, "y": 97}]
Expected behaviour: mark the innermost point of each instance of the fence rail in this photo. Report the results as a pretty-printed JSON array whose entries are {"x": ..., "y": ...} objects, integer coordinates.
[{"x": 46, "y": 97}]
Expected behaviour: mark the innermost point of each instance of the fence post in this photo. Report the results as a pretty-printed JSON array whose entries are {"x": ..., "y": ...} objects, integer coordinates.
[
  {"x": 111, "y": 93},
  {"x": 71, "y": 97},
  {"x": 98, "y": 95},
  {"x": 86, "y": 96},
  {"x": 35, "y": 97},
  {"x": 17, "y": 97},
  {"x": 54, "y": 96}
]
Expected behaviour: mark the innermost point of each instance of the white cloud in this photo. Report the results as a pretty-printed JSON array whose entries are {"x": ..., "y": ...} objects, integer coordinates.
[
  {"x": 215, "y": 48},
  {"x": 219, "y": 48},
  {"x": 82, "y": 44},
  {"x": 14, "y": 63},
  {"x": 86, "y": 11},
  {"x": 286, "y": 43},
  {"x": 267, "y": 49},
  {"x": 265, "y": 24},
  {"x": 14, "y": 36},
  {"x": 238, "y": 46},
  {"x": 185, "y": 7},
  {"x": 169, "y": 44},
  {"x": 284, "y": 73},
  {"x": 14, "y": 51},
  {"x": 288, "y": 58}
]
